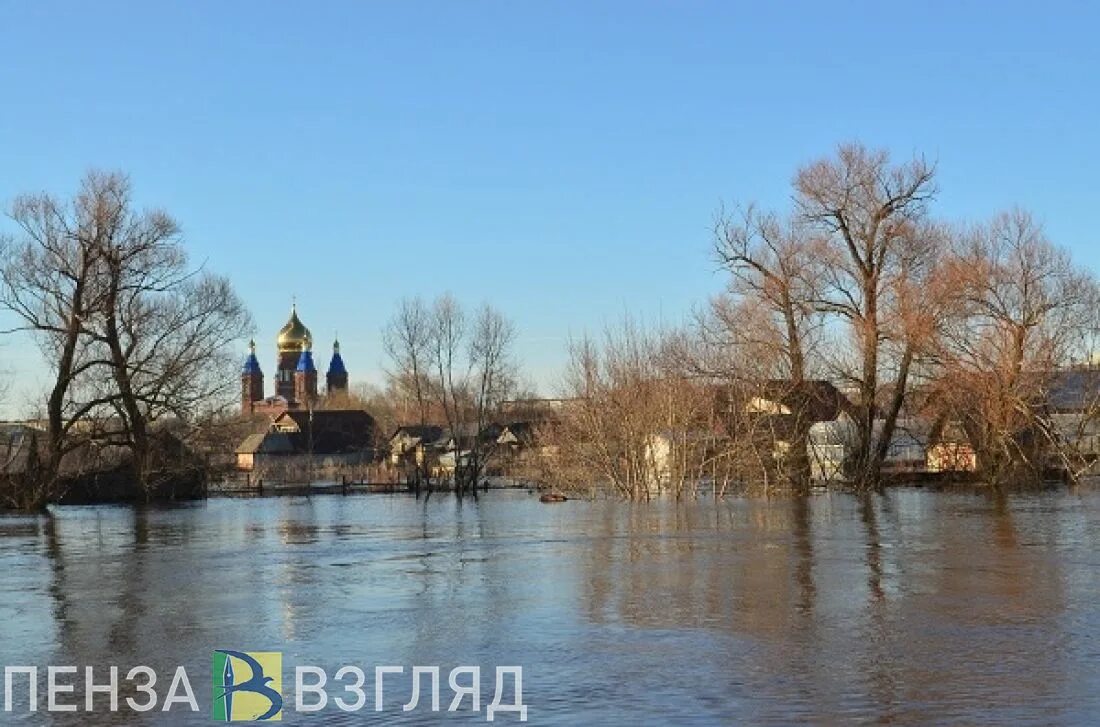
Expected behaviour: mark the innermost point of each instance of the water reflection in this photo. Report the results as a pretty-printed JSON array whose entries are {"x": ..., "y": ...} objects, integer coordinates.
[{"x": 907, "y": 607}]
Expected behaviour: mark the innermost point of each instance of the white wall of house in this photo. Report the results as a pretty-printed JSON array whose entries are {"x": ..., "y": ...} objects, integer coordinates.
[
  {"x": 831, "y": 443},
  {"x": 762, "y": 405},
  {"x": 658, "y": 453}
]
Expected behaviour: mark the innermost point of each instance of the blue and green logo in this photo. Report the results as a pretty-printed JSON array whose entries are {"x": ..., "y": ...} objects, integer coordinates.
[{"x": 248, "y": 686}]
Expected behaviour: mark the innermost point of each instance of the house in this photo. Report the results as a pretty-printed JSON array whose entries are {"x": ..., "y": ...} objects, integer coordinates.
[
  {"x": 16, "y": 443},
  {"x": 829, "y": 445},
  {"x": 659, "y": 456},
  {"x": 461, "y": 442},
  {"x": 779, "y": 409},
  {"x": 517, "y": 436},
  {"x": 816, "y": 399},
  {"x": 321, "y": 438},
  {"x": 329, "y": 431},
  {"x": 516, "y": 443},
  {"x": 1073, "y": 401},
  {"x": 949, "y": 449},
  {"x": 465, "y": 436},
  {"x": 1075, "y": 391},
  {"x": 527, "y": 447},
  {"x": 418, "y": 443},
  {"x": 534, "y": 408},
  {"x": 676, "y": 455},
  {"x": 257, "y": 449},
  {"x": 833, "y": 442}
]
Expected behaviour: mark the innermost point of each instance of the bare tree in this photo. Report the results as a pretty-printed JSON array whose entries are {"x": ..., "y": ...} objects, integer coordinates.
[
  {"x": 52, "y": 283},
  {"x": 407, "y": 339},
  {"x": 473, "y": 374},
  {"x": 493, "y": 378},
  {"x": 873, "y": 217},
  {"x": 603, "y": 439},
  {"x": 639, "y": 421},
  {"x": 448, "y": 329},
  {"x": 167, "y": 328},
  {"x": 129, "y": 328},
  {"x": 1025, "y": 311},
  {"x": 772, "y": 309},
  {"x": 454, "y": 368}
]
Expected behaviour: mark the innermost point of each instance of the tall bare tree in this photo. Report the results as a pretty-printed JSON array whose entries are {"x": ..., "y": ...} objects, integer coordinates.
[
  {"x": 448, "y": 331},
  {"x": 605, "y": 438},
  {"x": 407, "y": 340},
  {"x": 493, "y": 377},
  {"x": 1026, "y": 312},
  {"x": 130, "y": 329},
  {"x": 52, "y": 283},
  {"x": 873, "y": 217},
  {"x": 772, "y": 309},
  {"x": 455, "y": 368}
]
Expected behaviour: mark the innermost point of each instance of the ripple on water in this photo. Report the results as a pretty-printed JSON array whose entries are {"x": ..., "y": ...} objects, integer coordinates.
[{"x": 907, "y": 608}]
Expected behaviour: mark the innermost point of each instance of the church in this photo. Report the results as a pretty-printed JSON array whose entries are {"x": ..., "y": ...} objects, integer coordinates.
[{"x": 295, "y": 374}]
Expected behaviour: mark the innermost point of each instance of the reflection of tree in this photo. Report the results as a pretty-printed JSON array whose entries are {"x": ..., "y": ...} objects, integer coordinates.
[
  {"x": 125, "y": 592},
  {"x": 901, "y": 607},
  {"x": 298, "y": 531},
  {"x": 874, "y": 548},
  {"x": 877, "y": 661},
  {"x": 53, "y": 550},
  {"x": 672, "y": 565},
  {"x": 881, "y": 603},
  {"x": 802, "y": 522},
  {"x": 954, "y": 604}
]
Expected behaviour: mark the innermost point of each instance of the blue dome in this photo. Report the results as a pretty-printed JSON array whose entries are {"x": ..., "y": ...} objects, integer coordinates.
[
  {"x": 305, "y": 361},
  {"x": 251, "y": 364},
  {"x": 336, "y": 365}
]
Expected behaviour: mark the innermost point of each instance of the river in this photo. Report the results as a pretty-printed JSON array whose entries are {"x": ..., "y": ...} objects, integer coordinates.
[{"x": 905, "y": 608}]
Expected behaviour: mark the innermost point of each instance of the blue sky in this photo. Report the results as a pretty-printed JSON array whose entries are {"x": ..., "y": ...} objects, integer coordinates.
[{"x": 561, "y": 160}]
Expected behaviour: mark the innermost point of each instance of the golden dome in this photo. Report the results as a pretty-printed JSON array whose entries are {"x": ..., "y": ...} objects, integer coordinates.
[{"x": 294, "y": 335}]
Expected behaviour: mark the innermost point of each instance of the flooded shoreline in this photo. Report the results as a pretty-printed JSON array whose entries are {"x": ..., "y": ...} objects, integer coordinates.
[{"x": 907, "y": 607}]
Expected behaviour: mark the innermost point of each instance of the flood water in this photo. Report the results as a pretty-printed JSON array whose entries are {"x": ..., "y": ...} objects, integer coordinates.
[{"x": 905, "y": 608}]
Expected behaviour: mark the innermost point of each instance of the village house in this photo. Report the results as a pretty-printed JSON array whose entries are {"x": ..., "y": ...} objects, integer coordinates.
[
  {"x": 460, "y": 443},
  {"x": 833, "y": 442},
  {"x": 16, "y": 443},
  {"x": 437, "y": 450},
  {"x": 680, "y": 454},
  {"x": 950, "y": 450},
  {"x": 1074, "y": 405},
  {"x": 779, "y": 409},
  {"x": 322, "y": 438},
  {"x": 416, "y": 444},
  {"x": 516, "y": 437},
  {"x": 263, "y": 448},
  {"x": 1070, "y": 412}
]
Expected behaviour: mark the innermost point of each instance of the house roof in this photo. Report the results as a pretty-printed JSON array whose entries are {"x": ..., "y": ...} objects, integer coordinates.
[
  {"x": 424, "y": 433},
  {"x": 520, "y": 432},
  {"x": 267, "y": 443},
  {"x": 332, "y": 431},
  {"x": 948, "y": 432},
  {"x": 464, "y": 434},
  {"x": 1075, "y": 389},
  {"x": 817, "y": 398}
]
